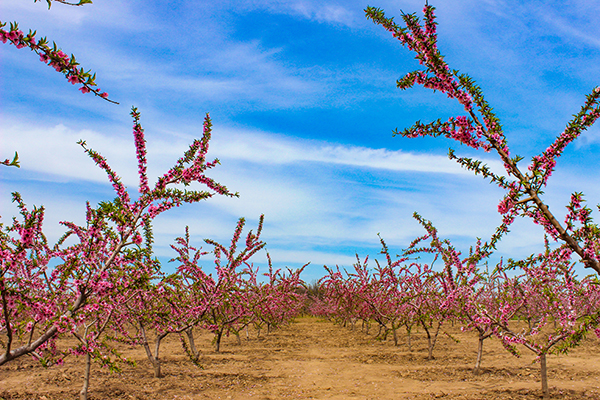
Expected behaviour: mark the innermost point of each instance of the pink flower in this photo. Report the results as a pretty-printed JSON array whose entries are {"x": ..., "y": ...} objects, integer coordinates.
[
  {"x": 62, "y": 55},
  {"x": 84, "y": 89},
  {"x": 15, "y": 36},
  {"x": 74, "y": 79},
  {"x": 137, "y": 239}
]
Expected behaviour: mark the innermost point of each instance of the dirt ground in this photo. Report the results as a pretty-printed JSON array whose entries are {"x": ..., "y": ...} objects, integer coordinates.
[{"x": 315, "y": 359}]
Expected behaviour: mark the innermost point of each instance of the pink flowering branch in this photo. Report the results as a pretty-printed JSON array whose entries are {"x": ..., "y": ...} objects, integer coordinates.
[
  {"x": 227, "y": 299},
  {"x": 481, "y": 129},
  {"x": 53, "y": 57},
  {"x": 24, "y": 257}
]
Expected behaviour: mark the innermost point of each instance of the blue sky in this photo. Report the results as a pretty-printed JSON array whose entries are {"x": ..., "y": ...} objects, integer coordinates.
[{"x": 303, "y": 101}]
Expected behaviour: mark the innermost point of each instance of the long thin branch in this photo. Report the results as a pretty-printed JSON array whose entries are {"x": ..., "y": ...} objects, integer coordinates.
[{"x": 533, "y": 196}]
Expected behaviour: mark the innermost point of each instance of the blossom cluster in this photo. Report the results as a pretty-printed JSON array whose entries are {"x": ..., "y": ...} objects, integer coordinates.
[{"x": 54, "y": 57}]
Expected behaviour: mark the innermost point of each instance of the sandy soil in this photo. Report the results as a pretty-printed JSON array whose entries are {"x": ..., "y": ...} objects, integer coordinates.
[{"x": 315, "y": 359}]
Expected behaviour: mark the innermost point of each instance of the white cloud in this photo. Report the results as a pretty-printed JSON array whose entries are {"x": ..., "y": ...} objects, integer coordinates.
[
  {"x": 320, "y": 11},
  {"x": 54, "y": 151},
  {"x": 572, "y": 23},
  {"x": 61, "y": 19},
  {"x": 316, "y": 258},
  {"x": 328, "y": 13},
  {"x": 258, "y": 147}
]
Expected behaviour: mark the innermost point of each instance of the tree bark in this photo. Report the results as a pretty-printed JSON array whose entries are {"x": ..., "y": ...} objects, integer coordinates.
[
  {"x": 190, "y": 334},
  {"x": 544, "y": 371},
  {"x": 218, "y": 336},
  {"x": 409, "y": 340},
  {"x": 154, "y": 359},
  {"x": 477, "y": 369},
  {"x": 83, "y": 394}
]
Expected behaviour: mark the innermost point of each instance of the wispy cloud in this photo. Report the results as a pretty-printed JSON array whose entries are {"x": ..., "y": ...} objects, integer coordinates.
[
  {"x": 61, "y": 19},
  {"x": 54, "y": 151},
  {"x": 322, "y": 12},
  {"x": 331, "y": 12},
  {"x": 260, "y": 147},
  {"x": 572, "y": 24}
]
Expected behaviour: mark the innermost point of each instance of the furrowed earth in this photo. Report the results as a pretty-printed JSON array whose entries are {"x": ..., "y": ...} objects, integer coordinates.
[{"x": 312, "y": 358}]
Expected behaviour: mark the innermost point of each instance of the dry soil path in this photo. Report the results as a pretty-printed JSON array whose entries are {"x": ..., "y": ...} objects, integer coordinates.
[{"x": 315, "y": 359}]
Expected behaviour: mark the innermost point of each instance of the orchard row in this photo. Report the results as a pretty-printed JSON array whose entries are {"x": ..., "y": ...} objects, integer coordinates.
[
  {"x": 538, "y": 304},
  {"x": 101, "y": 283}
]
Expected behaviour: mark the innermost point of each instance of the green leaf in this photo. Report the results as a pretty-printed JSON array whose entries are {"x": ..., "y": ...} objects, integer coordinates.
[{"x": 13, "y": 163}]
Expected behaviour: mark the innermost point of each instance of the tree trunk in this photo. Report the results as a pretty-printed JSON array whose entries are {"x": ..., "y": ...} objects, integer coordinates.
[
  {"x": 430, "y": 344},
  {"x": 190, "y": 334},
  {"x": 431, "y": 339},
  {"x": 218, "y": 336},
  {"x": 154, "y": 359},
  {"x": 83, "y": 394},
  {"x": 159, "y": 338},
  {"x": 379, "y": 331},
  {"x": 157, "y": 371},
  {"x": 544, "y": 375},
  {"x": 477, "y": 369}
]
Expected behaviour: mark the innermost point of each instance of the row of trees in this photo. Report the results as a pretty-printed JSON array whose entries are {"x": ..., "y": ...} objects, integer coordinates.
[
  {"x": 542, "y": 290},
  {"x": 101, "y": 284},
  {"x": 539, "y": 303}
]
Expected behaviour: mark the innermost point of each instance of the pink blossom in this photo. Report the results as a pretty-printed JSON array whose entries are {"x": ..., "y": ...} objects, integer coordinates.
[{"x": 74, "y": 79}]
